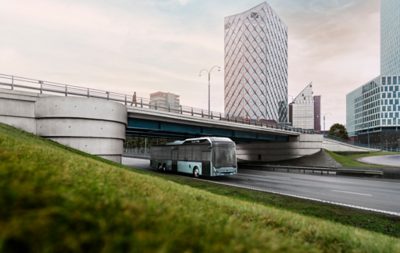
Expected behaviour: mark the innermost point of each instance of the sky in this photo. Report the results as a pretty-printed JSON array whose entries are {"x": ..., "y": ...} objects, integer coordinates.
[{"x": 146, "y": 46}]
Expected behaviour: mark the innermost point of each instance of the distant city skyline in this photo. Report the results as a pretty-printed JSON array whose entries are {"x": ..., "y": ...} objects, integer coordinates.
[{"x": 149, "y": 46}]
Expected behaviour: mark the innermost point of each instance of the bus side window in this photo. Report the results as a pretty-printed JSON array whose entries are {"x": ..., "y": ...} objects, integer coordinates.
[
  {"x": 175, "y": 154},
  {"x": 205, "y": 155},
  {"x": 181, "y": 153},
  {"x": 188, "y": 153},
  {"x": 197, "y": 153}
]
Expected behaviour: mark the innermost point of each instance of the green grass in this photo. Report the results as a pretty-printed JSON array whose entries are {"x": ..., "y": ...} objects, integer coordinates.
[
  {"x": 350, "y": 160},
  {"x": 52, "y": 200}
]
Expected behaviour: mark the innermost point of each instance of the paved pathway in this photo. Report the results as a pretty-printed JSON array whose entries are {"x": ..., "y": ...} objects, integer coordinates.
[{"x": 389, "y": 160}]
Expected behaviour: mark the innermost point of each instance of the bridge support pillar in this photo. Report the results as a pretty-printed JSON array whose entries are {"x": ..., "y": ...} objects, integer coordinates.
[
  {"x": 94, "y": 126},
  {"x": 296, "y": 147}
]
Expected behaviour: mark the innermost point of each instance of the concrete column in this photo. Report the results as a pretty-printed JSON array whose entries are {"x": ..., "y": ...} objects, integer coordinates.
[
  {"x": 91, "y": 125},
  {"x": 18, "y": 109}
]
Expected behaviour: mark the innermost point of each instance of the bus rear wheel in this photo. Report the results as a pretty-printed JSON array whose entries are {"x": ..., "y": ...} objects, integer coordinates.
[{"x": 196, "y": 172}]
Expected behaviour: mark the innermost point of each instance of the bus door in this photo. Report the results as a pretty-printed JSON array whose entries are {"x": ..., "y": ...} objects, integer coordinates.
[
  {"x": 206, "y": 162},
  {"x": 175, "y": 159}
]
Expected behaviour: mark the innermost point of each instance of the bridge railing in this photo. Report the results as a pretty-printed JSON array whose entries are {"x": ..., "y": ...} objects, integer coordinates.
[
  {"x": 53, "y": 88},
  {"x": 60, "y": 89}
]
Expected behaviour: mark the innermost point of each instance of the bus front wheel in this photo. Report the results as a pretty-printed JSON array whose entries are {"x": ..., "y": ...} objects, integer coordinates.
[{"x": 196, "y": 172}]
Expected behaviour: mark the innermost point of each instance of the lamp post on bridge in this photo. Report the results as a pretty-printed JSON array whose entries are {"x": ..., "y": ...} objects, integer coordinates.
[{"x": 209, "y": 83}]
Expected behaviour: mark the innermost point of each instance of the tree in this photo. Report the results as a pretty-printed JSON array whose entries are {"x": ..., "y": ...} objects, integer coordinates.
[{"x": 339, "y": 131}]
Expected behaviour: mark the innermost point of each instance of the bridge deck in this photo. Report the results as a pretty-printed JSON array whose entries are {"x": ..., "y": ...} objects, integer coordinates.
[{"x": 142, "y": 120}]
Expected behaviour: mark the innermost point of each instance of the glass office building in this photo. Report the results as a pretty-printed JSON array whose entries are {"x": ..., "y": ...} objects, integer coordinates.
[
  {"x": 364, "y": 108},
  {"x": 373, "y": 109},
  {"x": 390, "y": 37},
  {"x": 373, "y": 112},
  {"x": 256, "y": 65}
]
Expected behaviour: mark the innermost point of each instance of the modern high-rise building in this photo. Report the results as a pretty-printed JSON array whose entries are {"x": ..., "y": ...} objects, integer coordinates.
[
  {"x": 373, "y": 112},
  {"x": 363, "y": 107},
  {"x": 317, "y": 113},
  {"x": 373, "y": 109},
  {"x": 390, "y": 37},
  {"x": 256, "y": 65},
  {"x": 302, "y": 109},
  {"x": 305, "y": 110}
]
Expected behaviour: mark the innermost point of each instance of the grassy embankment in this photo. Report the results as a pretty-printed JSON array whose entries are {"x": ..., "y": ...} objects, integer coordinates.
[
  {"x": 55, "y": 199},
  {"x": 351, "y": 160}
]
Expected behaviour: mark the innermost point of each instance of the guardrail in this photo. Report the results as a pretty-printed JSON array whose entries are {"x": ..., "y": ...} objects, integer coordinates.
[
  {"x": 315, "y": 170},
  {"x": 59, "y": 89}
]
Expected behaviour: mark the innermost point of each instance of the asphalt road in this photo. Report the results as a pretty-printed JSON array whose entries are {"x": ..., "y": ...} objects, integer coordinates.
[
  {"x": 379, "y": 195},
  {"x": 389, "y": 160}
]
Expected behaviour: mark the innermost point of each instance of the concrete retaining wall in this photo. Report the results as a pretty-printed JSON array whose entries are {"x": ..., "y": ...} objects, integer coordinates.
[
  {"x": 303, "y": 145},
  {"x": 18, "y": 109},
  {"x": 337, "y": 146},
  {"x": 91, "y": 125}
]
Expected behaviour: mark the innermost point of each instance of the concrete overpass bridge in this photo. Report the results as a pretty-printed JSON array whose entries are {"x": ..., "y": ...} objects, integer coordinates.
[
  {"x": 158, "y": 123},
  {"x": 98, "y": 122}
]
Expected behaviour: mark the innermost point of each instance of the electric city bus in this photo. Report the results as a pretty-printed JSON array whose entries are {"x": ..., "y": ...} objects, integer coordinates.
[{"x": 206, "y": 156}]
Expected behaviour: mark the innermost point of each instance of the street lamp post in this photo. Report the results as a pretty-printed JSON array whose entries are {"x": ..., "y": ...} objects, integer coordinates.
[{"x": 209, "y": 83}]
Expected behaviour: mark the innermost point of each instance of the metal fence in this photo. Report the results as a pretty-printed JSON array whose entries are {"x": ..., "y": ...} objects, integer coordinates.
[
  {"x": 314, "y": 170},
  {"x": 59, "y": 89}
]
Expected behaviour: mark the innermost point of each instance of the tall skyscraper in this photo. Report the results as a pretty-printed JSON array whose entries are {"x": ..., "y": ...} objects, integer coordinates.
[
  {"x": 256, "y": 65},
  {"x": 390, "y": 37},
  {"x": 373, "y": 110},
  {"x": 317, "y": 113}
]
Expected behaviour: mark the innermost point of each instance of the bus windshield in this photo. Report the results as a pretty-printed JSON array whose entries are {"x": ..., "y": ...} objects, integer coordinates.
[{"x": 224, "y": 155}]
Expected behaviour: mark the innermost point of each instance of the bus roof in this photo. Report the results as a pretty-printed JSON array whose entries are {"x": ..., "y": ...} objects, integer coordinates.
[
  {"x": 175, "y": 143},
  {"x": 209, "y": 139},
  {"x": 202, "y": 140}
]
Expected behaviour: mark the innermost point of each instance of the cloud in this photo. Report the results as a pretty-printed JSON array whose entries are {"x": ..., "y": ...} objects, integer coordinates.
[
  {"x": 337, "y": 50},
  {"x": 152, "y": 45},
  {"x": 90, "y": 44},
  {"x": 332, "y": 6},
  {"x": 183, "y": 2}
]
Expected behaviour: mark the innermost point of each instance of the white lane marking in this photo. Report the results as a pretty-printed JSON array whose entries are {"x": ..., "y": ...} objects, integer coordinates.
[
  {"x": 354, "y": 193},
  {"x": 306, "y": 198},
  {"x": 245, "y": 175}
]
